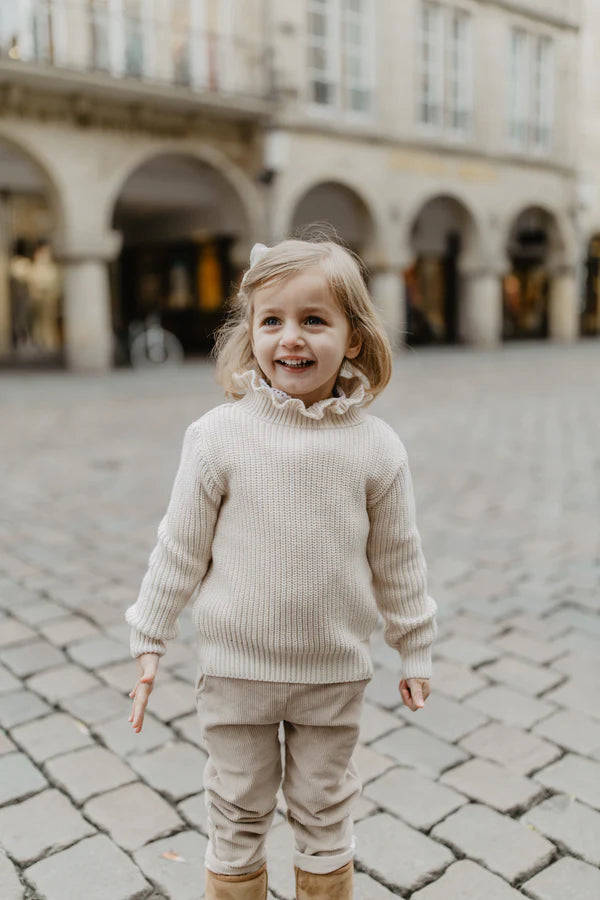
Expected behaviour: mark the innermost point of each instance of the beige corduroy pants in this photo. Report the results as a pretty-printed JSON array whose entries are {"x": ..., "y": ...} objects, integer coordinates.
[{"x": 240, "y": 727}]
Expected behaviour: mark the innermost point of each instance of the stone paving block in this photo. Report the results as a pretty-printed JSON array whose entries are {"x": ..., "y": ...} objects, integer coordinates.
[
  {"x": 19, "y": 778},
  {"x": 466, "y": 651},
  {"x": 8, "y": 682},
  {"x": 465, "y": 880},
  {"x": 538, "y": 627},
  {"x": 14, "y": 632},
  {"x": 578, "y": 642},
  {"x": 456, "y": 681},
  {"x": 383, "y": 689},
  {"x": 521, "y": 675},
  {"x": 64, "y": 631},
  {"x": 370, "y": 763},
  {"x": 98, "y": 705},
  {"x": 510, "y": 706},
  {"x": 530, "y": 648},
  {"x": 193, "y": 810},
  {"x": 489, "y": 783},
  {"x": 574, "y": 775},
  {"x": 119, "y": 736},
  {"x": 579, "y": 664},
  {"x": 39, "y": 611},
  {"x": 188, "y": 727},
  {"x": 94, "y": 869},
  {"x": 366, "y": 888},
  {"x": 181, "y": 878},
  {"x": 565, "y": 878},
  {"x": 516, "y": 750},
  {"x": 41, "y": 825},
  {"x": 362, "y": 808},
  {"x": 414, "y": 798},
  {"x": 6, "y": 745},
  {"x": 54, "y": 734},
  {"x": 84, "y": 773},
  {"x": 175, "y": 770},
  {"x": 98, "y": 651},
  {"x": 445, "y": 718},
  {"x": 133, "y": 815},
  {"x": 419, "y": 750},
  {"x": 498, "y": 842},
  {"x": 574, "y": 618},
  {"x": 29, "y": 658},
  {"x": 470, "y": 626},
  {"x": 375, "y": 722},
  {"x": 64, "y": 681},
  {"x": 10, "y": 886},
  {"x": 378, "y": 842},
  {"x": 121, "y": 675},
  {"x": 572, "y": 825},
  {"x": 172, "y": 698},
  {"x": 573, "y": 731},
  {"x": 20, "y": 706},
  {"x": 580, "y": 695}
]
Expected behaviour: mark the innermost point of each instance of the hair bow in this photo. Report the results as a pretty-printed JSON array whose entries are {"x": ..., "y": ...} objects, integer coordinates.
[{"x": 257, "y": 253}]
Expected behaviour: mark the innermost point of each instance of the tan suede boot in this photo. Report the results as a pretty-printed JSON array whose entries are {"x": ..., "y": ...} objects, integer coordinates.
[
  {"x": 336, "y": 885},
  {"x": 236, "y": 887}
]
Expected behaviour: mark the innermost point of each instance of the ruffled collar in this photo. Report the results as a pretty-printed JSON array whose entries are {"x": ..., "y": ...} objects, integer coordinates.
[{"x": 268, "y": 402}]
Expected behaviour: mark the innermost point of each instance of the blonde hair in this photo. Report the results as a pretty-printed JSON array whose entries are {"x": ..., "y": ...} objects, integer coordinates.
[{"x": 342, "y": 269}]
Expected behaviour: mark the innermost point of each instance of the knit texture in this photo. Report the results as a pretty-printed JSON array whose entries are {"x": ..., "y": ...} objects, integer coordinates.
[{"x": 295, "y": 525}]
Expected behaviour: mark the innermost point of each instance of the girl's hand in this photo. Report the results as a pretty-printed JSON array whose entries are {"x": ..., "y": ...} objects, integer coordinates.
[
  {"x": 147, "y": 665},
  {"x": 414, "y": 692}
]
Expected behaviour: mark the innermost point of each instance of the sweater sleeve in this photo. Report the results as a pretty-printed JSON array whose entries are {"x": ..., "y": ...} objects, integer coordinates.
[
  {"x": 182, "y": 553},
  {"x": 400, "y": 575}
]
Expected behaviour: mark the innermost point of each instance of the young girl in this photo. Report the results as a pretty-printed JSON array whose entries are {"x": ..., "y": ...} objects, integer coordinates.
[{"x": 293, "y": 512}]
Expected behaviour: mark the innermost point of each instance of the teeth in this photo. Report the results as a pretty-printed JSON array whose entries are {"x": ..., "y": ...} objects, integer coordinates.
[{"x": 300, "y": 364}]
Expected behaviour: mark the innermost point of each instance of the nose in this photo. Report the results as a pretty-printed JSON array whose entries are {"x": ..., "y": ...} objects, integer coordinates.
[{"x": 291, "y": 336}]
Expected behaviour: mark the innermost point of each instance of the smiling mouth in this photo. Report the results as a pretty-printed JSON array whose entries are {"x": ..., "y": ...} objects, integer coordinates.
[{"x": 295, "y": 363}]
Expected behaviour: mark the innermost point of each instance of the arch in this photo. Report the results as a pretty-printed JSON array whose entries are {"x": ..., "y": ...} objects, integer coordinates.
[
  {"x": 44, "y": 168},
  {"x": 476, "y": 249},
  {"x": 562, "y": 246},
  {"x": 205, "y": 155},
  {"x": 590, "y": 312},
  {"x": 185, "y": 230},
  {"x": 302, "y": 207}
]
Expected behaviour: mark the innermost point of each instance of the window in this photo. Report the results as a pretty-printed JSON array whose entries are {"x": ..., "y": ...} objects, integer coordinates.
[
  {"x": 340, "y": 54},
  {"x": 531, "y": 106},
  {"x": 445, "y": 77}
]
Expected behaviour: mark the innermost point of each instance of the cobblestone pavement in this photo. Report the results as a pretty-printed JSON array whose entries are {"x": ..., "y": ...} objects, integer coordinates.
[{"x": 492, "y": 791}]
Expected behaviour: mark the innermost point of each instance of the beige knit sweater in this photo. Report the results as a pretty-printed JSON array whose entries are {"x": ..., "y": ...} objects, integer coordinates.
[{"x": 297, "y": 524}]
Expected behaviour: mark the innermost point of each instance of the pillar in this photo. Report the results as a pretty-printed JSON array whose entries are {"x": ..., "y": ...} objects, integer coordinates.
[
  {"x": 481, "y": 313},
  {"x": 87, "y": 307},
  {"x": 5, "y": 251},
  {"x": 387, "y": 290},
  {"x": 563, "y": 311}
]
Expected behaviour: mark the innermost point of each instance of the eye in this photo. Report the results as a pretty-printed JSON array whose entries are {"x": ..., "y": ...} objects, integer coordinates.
[
  {"x": 315, "y": 320},
  {"x": 270, "y": 320}
]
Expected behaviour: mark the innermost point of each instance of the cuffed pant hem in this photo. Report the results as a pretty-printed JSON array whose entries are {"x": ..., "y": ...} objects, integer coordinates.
[
  {"x": 322, "y": 865},
  {"x": 220, "y": 868}
]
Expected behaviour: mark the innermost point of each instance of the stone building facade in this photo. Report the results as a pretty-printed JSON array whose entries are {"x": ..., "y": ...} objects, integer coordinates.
[{"x": 151, "y": 142}]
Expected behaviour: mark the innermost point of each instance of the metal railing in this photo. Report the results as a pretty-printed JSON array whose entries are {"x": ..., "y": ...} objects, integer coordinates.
[{"x": 101, "y": 36}]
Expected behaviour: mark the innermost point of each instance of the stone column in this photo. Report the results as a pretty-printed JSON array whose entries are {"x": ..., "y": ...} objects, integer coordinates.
[
  {"x": 563, "y": 308},
  {"x": 87, "y": 308},
  {"x": 480, "y": 320},
  {"x": 5, "y": 251},
  {"x": 387, "y": 290}
]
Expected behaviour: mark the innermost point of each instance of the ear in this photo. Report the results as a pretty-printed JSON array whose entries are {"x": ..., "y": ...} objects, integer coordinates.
[{"x": 354, "y": 345}]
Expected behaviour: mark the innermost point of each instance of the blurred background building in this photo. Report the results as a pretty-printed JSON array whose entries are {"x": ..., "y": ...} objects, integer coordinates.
[{"x": 146, "y": 144}]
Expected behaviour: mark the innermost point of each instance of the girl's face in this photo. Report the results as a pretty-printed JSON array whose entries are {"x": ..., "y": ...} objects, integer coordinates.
[{"x": 300, "y": 336}]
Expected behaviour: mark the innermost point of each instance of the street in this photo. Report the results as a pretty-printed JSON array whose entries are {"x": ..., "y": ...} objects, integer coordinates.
[{"x": 493, "y": 790}]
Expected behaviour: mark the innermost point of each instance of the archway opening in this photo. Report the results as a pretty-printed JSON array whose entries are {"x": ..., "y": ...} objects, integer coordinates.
[
  {"x": 526, "y": 287},
  {"x": 179, "y": 219},
  {"x": 590, "y": 314},
  {"x": 336, "y": 205},
  {"x": 31, "y": 314},
  {"x": 441, "y": 235}
]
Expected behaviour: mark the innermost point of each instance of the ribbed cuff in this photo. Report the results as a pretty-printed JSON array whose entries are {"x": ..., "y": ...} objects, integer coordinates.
[
  {"x": 417, "y": 663},
  {"x": 140, "y": 643},
  {"x": 323, "y": 865}
]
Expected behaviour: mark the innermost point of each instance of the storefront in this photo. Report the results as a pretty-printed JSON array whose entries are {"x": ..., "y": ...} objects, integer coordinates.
[
  {"x": 526, "y": 288},
  {"x": 590, "y": 314}
]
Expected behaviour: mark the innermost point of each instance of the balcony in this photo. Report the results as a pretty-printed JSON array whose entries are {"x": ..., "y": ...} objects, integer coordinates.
[{"x": 125, "y": 51}]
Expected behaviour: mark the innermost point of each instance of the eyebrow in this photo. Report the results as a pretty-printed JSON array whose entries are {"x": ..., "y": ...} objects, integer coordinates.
[{"x": 276, "y": 310}]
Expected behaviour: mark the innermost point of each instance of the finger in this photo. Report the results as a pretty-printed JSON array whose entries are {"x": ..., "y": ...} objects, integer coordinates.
[
  {"x": 417, "y": 695},
  {"x": 406, "y": 695},
  {"x": 139, "y": 707}
]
